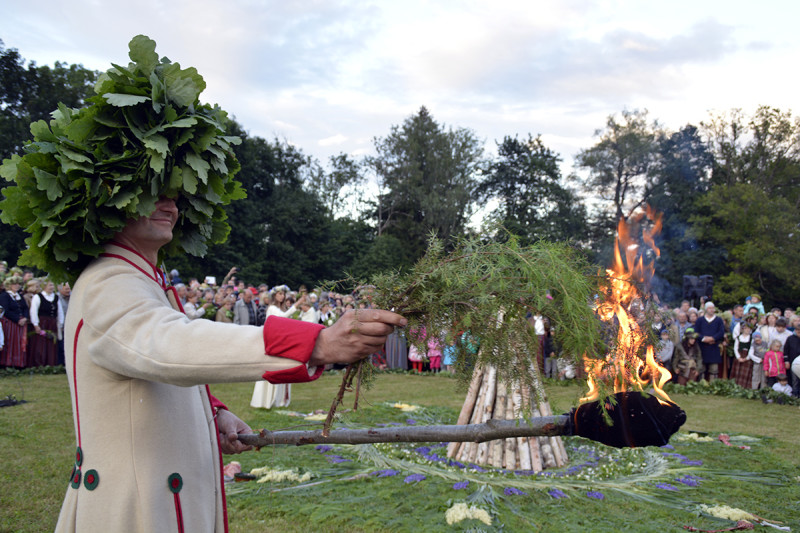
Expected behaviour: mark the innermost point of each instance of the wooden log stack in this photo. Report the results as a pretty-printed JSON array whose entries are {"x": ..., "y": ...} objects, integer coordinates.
[{"x": 490, "y": 398}]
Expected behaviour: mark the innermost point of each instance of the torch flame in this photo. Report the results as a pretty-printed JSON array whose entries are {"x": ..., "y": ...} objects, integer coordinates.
[{"x": 624, "y": 366}]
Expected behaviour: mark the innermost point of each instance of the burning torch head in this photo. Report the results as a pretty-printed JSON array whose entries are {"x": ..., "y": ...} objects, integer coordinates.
[{"x": 637, "y": 420}]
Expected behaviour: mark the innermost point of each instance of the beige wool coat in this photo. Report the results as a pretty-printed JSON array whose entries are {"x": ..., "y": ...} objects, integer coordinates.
[{"x": 147, "y": 457}]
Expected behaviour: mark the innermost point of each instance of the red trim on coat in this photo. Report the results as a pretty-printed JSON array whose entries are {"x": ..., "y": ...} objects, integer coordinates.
[
  {"x": 75, "y": 379},
  {"x": 296, "y": 374},
  {"x": 178, "y": 511},
  {"x": 140, "y": 269},
  {"x": 221, "y": 476},
  {"x": 174, "y": 292},
  {"x": 290, "y": 339},
  {"x": 156, "y": 271}
]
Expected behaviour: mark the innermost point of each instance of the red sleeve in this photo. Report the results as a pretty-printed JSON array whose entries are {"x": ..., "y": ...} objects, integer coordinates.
[
  {"x": 215, "y": 403},
  {"x": 291, "y": 339}
]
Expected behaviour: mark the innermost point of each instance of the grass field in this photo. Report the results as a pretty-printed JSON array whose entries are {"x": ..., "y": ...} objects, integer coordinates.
[{"x": 39, "y": 441}]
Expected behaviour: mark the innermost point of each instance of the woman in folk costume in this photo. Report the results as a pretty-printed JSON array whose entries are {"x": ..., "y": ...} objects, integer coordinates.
[
  {"x": 46, "y": 319},
  {"x": 267, "y": 395},
  {"x": 15, "y": 325},
  {"x": 149, "y": 433},
  {"x": 742, "y": 368}
]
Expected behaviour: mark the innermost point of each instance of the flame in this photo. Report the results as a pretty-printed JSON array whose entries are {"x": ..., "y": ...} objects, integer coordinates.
[{"x": 623, "y": 366}]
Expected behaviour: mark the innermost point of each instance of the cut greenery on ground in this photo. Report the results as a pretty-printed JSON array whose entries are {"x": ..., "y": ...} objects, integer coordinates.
[{"x": 411, "y": 487}]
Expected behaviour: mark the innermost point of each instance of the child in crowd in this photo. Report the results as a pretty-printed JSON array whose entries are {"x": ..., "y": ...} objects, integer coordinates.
[
  {"x": 783, "y": 386},
  {"x": 773, "y": 363},
  {"x": 742, "y": 368},
  {"x": 435, "y": 354},
  {"x": 666, "y": 349},
  {"x": 758, "y": 350}
]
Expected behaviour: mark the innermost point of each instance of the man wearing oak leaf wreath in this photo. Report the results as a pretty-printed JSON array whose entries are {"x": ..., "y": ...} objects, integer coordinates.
[{"x": 149, "y": 433}]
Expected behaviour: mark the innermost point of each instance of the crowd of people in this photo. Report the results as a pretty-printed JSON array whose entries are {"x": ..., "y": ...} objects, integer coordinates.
[
  {"x": 754, "y": 347},
  {"x": 757, "y": 349}
]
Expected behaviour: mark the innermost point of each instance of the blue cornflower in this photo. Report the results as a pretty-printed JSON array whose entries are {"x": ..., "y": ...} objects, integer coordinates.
[
  {"x": 461, "y": 485},
  {"x": 674, "y": 456},
  {"x": 414, "y": 478},
  {"x": 477, "y": 468},
  {"x": 510, "y": 491},
  {"x": 423, "y": 450},
  {"x": 557, "y": 494},
  {"x": 596, "y": 495},
  {"x": 411, "y": 421},
  {"x": 689, "y": 480},
  {"x": 668, "y": 447},
  {"x": 337, "y": 459},
  {"x": 322, "y": 448},
  {"x": 689, "y": 462},
  {"x": 385, "y": 473},
  {"x": 666, "y": 486},
  {"x": 457, "y": 464}
]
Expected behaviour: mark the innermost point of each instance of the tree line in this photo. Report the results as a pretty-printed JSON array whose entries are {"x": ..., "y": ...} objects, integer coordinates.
[{"x": 728, "y": 188}]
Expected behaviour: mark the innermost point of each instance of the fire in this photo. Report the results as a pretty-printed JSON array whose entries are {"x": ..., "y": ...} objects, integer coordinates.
[{"x": 624, "y": 366}]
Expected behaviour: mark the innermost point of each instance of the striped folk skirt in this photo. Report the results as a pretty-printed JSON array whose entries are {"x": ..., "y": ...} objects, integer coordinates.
[
  {"x": 14, "y": 352},
  {"x": 742, "y": 373}
]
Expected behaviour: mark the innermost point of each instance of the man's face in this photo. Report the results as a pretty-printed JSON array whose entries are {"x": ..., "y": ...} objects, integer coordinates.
[
  {"x": 247, "y": 296},
  {"x": 710, "y": 311},
  {"x": 684, "y": 306},
  {"x": 738, "y": 311},
  {"x": 682, "y": 317},
  {"x": 154, "y": 231}
]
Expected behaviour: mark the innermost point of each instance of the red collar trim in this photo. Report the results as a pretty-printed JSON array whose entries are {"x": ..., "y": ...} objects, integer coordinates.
[{"x": 155, "y": 274}]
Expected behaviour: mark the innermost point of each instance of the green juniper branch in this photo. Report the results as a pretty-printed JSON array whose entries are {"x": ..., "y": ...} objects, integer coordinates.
[{"x": 480, "y": 294}]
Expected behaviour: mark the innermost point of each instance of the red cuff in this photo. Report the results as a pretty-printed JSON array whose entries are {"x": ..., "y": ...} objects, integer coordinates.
[
  {"x": 296, "y": 374},
  {"x": 289, "y": 338},
  {"x": 216, "y": 404}
]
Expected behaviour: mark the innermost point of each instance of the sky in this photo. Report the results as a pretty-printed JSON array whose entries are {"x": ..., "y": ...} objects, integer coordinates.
[{"x": 331, "y": 76}]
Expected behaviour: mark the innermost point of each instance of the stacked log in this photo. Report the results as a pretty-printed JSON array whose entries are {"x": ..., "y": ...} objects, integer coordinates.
[{"x": 489, "y": 397}]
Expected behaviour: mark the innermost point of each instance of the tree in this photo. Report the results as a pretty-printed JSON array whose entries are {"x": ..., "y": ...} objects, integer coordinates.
[
  {"x": 27, "y": 95},
  {"x": 751, "y": 209},
  {"x": 526, "y": 181},
  {"x": 338, "y": 189},
  {"x": 760, "y": 235},
  {"x": 763, "y": 150},
  {"x": 427, "y": 175},
  {"x": 619, "y": 164}
]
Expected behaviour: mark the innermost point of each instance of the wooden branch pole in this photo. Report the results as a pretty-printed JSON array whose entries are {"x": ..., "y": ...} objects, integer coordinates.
[{"x": 493, "y": 429}]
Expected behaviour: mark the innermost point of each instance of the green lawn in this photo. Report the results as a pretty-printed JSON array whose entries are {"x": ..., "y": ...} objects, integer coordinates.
[{"x": 39, "y": 438}]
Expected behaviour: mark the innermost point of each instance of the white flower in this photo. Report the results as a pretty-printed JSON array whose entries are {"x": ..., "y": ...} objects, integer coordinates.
[
  {"x": 460, "y": 511},
  {"x": 728, "y": 513},
  {"x": 266, "y": 474}
]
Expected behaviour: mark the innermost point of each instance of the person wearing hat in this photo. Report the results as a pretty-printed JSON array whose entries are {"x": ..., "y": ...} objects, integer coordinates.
[
  {"x": 15, "y": 321},
  {"x": 687, "y": 361},
  {"x": 711, "y": 331},
  {"x": 149, "y": 434}
]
